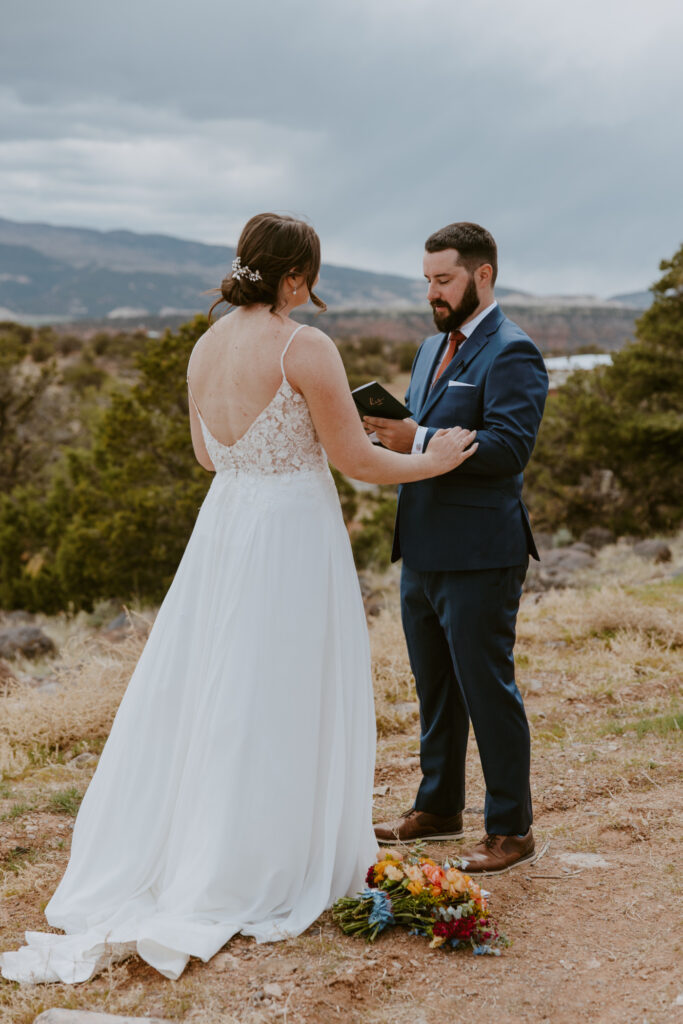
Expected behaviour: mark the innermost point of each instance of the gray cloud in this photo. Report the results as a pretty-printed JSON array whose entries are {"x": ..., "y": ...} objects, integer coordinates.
[{"x": 553, "y": 125}]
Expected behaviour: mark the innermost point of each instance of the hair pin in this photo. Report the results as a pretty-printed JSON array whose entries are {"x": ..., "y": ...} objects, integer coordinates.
[{"x": 238, "y": 271}]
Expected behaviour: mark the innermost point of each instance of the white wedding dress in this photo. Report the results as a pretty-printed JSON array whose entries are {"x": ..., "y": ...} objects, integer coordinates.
[{"x": 234, "y": 792}]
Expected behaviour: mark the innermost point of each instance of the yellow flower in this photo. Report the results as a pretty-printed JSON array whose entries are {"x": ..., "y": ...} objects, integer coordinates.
[{"x": 415, "y": 888}]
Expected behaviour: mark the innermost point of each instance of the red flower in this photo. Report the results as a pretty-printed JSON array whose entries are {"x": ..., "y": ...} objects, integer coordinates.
[
  {"x": 370, "y": 877},
  {"x": 462, "y": 929}
]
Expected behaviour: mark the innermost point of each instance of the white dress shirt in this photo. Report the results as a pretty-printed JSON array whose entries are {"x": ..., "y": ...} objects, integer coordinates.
[{"x": 466, "y": 329}]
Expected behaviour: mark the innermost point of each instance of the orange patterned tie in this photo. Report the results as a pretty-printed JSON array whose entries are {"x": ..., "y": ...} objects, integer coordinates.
[{"x": 454, "y": 339}]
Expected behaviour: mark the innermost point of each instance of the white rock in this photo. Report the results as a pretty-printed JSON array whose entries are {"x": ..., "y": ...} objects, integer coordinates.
[
  {"x": 84, "y": 760},
  {"x": 584, "y": 860},
  {"x": 273, "y": 989},
  {"x": 224, "y": 961}
]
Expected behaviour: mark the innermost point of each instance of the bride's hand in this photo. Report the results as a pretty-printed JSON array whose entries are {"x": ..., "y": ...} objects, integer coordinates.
[{"x": 449, "y": 448}]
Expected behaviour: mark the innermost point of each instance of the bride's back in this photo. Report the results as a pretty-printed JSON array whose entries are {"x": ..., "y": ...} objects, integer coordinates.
[{"x": 234, "y": 372}]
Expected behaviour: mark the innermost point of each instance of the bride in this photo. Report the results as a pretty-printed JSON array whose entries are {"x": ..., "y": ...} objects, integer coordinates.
[{"x": 234, "y": 792}]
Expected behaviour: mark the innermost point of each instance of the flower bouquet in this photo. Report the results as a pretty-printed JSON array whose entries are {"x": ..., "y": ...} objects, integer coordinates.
[{"x": 439, "y": 902}]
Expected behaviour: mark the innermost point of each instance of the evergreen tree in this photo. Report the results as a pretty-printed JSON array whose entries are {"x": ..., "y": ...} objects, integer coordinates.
[
  {"x": 117, "y": 516},
  {"x": 27, "y": 412},
  {"x": 609, "y": 449}
]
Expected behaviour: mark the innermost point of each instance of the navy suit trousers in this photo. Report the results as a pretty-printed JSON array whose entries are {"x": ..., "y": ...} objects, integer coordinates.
[{"x": 460, "y": 630}]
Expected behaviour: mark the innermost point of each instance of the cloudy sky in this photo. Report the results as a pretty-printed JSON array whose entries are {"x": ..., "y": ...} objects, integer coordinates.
[{"x": 556, "y": 125}]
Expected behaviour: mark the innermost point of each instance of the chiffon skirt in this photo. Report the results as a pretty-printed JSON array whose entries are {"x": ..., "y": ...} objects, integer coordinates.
[{"x": 234, "y": 792}]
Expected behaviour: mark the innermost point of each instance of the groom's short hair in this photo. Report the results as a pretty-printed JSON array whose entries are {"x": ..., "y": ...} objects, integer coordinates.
[{"x": 475, "y": 245}]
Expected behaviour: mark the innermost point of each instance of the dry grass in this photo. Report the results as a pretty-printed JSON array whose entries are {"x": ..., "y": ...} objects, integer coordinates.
[
  {"x": 37, "y": 727},
  {"x": 601, "y": 670}
]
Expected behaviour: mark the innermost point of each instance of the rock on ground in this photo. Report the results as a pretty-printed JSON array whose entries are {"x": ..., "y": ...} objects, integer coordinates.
[
  {"x": 597, "y": 537},
  {"x": 657, "y": 550},
  {"x": 30, "y": 641},
  {"x": 557, "y": 566}
]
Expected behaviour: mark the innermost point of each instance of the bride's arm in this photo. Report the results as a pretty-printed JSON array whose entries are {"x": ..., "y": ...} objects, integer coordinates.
[{"x": 313, "y": 366}]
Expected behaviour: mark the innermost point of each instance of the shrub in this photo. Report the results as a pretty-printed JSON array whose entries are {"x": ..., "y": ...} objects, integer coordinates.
[
  {"x": 115, "y": 518},
  {"x": 610, "y": 443},
  {"x": 84, "y": 374},
  {"x": 405, "y": 355},
  {"x": 371, "y": 544}
]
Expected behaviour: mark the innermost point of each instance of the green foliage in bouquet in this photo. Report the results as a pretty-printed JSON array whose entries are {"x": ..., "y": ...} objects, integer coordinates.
[{"x": 609, "y": 449}]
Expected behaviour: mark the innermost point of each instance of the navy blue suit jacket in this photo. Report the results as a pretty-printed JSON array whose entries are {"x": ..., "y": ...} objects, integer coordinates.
[{"x": 474, "y": 517}]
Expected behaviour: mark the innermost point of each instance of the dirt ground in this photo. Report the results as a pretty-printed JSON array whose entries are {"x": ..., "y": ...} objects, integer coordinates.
[{"x": 595, "y": 923}]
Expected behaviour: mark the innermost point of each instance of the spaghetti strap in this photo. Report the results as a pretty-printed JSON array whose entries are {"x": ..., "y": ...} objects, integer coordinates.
[
  {"x": 284, "y": 351},
  {"x": 192, "y": 397}
]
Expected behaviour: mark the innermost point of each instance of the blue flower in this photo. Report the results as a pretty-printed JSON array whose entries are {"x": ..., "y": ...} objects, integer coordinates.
[
  {"x": 485, "y": 951},
  {"x": 381, "y": 908}
]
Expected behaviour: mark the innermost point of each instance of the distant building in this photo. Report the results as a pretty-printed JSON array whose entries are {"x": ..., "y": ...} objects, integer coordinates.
[{"x": 560, "y": 367}]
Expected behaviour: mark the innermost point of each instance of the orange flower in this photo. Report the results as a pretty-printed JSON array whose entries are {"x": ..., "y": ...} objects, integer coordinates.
[
  {"x": 457, "y": 882},
  {"x": 415, "y": 888},
  {"x": 434, "y": 873}
]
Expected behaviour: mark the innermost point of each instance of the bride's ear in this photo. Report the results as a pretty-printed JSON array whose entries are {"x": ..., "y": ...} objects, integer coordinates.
[{"x": 295, "y": 281}]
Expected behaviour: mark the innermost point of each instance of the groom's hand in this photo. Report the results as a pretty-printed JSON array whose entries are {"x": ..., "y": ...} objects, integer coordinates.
[{"x": 398, "y": 435}]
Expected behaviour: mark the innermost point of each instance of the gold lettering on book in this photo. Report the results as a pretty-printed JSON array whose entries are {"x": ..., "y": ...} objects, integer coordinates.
[{"x": 375, "y": 401}]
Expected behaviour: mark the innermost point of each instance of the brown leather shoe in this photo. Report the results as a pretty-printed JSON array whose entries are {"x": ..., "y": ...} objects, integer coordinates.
[
  {"x": 495, "y": 854},
  {"x": 413, "y": 825}
]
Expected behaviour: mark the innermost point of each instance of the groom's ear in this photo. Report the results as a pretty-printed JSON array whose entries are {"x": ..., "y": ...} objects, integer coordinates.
[{"x": 483, "y": 275}]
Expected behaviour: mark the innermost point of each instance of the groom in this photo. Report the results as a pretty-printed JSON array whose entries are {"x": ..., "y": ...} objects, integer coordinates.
[{"x": 465, "y": 540}]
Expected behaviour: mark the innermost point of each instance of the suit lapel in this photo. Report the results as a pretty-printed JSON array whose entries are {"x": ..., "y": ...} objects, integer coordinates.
[
  {"x": 430, "y": 364},
  {"x": 468, "y": 351}
]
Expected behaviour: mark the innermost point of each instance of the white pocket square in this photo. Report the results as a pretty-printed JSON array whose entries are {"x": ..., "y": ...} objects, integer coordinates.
[{"x": 460, "y": 384}]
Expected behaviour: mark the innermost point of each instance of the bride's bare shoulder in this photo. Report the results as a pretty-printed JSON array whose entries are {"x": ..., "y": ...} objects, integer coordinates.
[
  {"x": 311, "y": 343},
  {"x": 312, "y": 353},
  {"x": 203, "y": 343}
]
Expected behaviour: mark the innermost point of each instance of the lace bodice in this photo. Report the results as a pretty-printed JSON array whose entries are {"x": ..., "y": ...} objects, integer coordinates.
[{"x": 281, "y": 440}]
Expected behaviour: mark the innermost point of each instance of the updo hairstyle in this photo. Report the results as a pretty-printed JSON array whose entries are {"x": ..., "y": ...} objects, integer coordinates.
[{"x": 275, "y": 246}]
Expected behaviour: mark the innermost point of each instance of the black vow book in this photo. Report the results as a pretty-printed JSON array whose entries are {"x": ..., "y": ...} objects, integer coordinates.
[{"x": 374, "y": 400}]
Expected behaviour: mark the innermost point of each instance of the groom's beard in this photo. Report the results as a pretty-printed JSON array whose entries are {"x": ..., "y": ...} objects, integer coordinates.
[{"x": 450, "y": 318}]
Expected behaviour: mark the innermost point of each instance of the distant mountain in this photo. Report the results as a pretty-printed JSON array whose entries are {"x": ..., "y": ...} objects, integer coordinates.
[
  {"x": 637, "y": 300},
  {"x": 77, "y": 272},
  {"x": 68, "y": 273}
]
